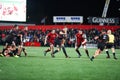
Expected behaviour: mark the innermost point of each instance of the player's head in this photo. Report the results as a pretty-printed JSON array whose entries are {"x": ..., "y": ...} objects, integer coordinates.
[
  {"x": 80, "y": 32},
  {"x": 65, "y": 29},
  {"x": 109, "y": 32},
  {"x": 8, "y": 46},
  {"x": 16, "y": 27},
  {"x": 26, "y": 28},
  {"x": 53, "y": 31},
  {"x": 19, "y": 33},
  {"x": 103, "y": 31}
]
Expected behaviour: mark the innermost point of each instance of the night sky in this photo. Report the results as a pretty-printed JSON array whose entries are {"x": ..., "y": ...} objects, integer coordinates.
[{"x": 38, "y": 9}]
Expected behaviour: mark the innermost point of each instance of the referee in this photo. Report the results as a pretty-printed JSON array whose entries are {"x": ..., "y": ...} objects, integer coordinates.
[{"x": 110, "y": 44}]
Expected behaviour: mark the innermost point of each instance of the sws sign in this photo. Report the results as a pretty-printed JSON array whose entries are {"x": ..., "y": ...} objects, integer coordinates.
[{"x": 68, "y": 19}]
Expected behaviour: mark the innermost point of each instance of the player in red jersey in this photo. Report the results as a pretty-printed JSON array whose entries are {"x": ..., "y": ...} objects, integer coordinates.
[
  {"x": 50, "y": 38},
  {"x": 81, "y": 40}
]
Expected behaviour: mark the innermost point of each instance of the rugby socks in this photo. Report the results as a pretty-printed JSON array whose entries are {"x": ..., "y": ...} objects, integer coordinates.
[
  {"x": 3, "y": 51},
  {"x": 45, "y": 52},
  {"x": 87, "y": 52},
  {"x": 78, "y": 52},
  {"x": 55, "y": 51},
  {"x": 24, "y": 51},
  {"x": 64, "y": 51},
  {"x": 92, "y": 58},
  {"x": 114, "y": 56},
  {"x": 108, "y": 56}
]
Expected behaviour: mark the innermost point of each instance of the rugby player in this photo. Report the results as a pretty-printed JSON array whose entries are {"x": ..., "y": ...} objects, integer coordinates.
[
  {"x": 81, "y": 41},
  {"x": 50, "y": 38},
  {"x": 60, "y": 42},
  {"x": 102, "y": 40}
]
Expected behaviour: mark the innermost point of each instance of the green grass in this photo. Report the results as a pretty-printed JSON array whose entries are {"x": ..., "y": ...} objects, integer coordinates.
[{"x": 39, "y": 67}]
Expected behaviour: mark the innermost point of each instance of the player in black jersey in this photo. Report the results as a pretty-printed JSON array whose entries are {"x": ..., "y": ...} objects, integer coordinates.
[
  {"x": 60, "y": 41},
  {"x": 15, "y": 38},
  {"x": 102, "y": 40},
  {"x": 10, "y": 51},
  {"x": 19, "y": 43},
  {"x": 10, "y": 38}
]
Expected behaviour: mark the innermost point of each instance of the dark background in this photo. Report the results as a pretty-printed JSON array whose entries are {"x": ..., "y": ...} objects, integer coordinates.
[{"x": 38, "y": 9}]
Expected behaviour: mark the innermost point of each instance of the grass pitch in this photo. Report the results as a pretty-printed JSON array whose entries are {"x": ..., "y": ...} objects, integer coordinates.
[{"x": 36, "y": 66}]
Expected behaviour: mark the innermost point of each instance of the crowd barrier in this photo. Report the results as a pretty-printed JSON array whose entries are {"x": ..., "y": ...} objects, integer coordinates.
[
  {"x": 37, "y": 44},
  {"x": 51, "y": 27}
]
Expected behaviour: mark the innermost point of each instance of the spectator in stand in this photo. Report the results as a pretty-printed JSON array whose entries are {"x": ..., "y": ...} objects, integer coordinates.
[{"x": 31, "y": 35}]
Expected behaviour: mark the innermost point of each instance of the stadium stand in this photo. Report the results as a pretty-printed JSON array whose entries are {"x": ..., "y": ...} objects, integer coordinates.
[{"x": 36, "y": 34}]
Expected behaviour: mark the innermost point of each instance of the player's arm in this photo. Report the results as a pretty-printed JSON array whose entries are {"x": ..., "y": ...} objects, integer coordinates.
[
  {"x": 107, "y": 39},
  {"x": 61, "y": 32},
  {"x": 13, "y": 43},
  {"x": 85, "y": 39},
  {"x": 21, "y": 37},
  {"x": 45, "y": 42},
  {"x": 96, "y": 37},
  {"x": 114, "y": 38},
  {"x": 75, "y": 39},
  {"x": 57, "y": 35},
  {"x": 65, "y": 31}
]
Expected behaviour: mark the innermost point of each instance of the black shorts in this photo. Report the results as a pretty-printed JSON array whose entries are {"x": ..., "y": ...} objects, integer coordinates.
[
  {"x": 17, "y": 42},
  {"x": 9, "y": 42},
  {"x": 101, "y": 46},
  {"x": 78, "y": 44},
  {"x": 49, "y": 44},
  {"x": 109, "y": 45},
  {"x": 15, "y": 51},
  {"x": 58, "y": 41},
  {"x": 9, "y": 39},
  {"x": 3, "y": 51},
  {"x": 11, "y": 54}
]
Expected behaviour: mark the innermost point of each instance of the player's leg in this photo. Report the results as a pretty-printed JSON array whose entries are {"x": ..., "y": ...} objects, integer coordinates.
[
  {"x": 86, "y": 50},
  {"x": 45, "y": 52},
  {"x": 1, "y": 55},
  {"x": 77, "y": 50},
  {"x": 97, "y": 52},
  {"x": 48, "y": 50},
  {"x": 6, "y": 53},
  {"x": 57, "y": 50},
  {"x": 113, "y": 51},
  {"x": 58, "y": 45},
  {"x": 107, "y": 52},
  {"x": 3, "y": 51},
  {"x": 52, "y": 50},
  {"x": 64, "y": 50},
  {"x": 24, "y": 50},
  {"x": 19, "y": 51},
  {"x": 15, "y": 52}
]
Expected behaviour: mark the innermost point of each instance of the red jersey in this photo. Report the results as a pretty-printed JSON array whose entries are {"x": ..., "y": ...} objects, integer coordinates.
[
  {"x": 79, "y": 38},
  {"x": 51, "y": 37}
]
